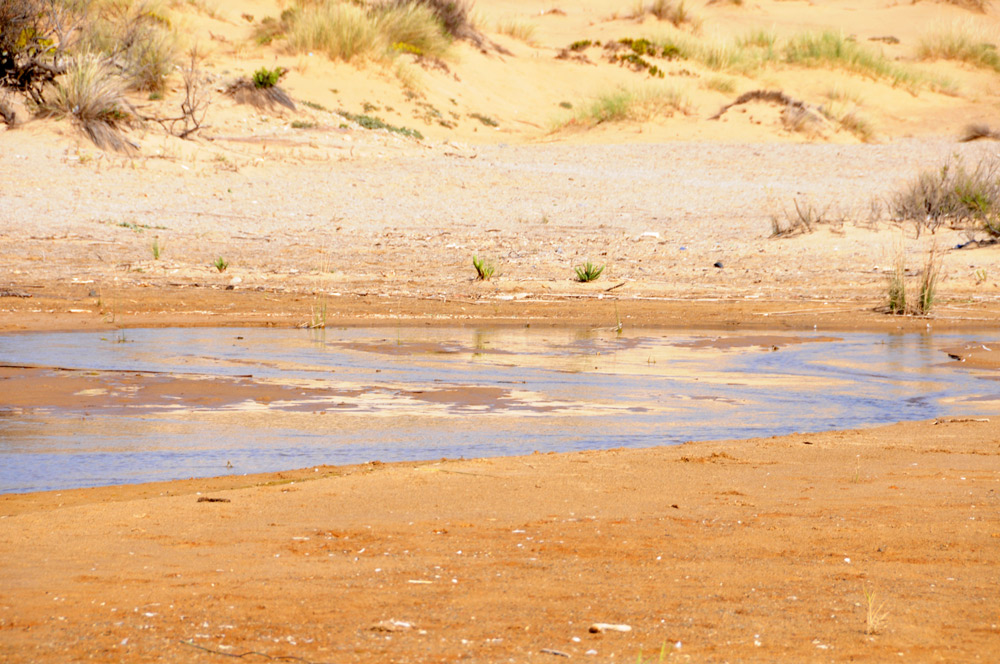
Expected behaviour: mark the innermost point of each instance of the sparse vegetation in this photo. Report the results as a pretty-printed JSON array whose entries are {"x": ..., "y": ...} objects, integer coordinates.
[
  {"x": 261, "y": 90},
  {"x": 851, "y": 120},
  {"x": 156, "y": 248},
  {"x": 137, "y": 40},
  {"x": 720, "y": 84},
  {"x": 803, "y": 218},
  {"x": 588, "y": 272},
  {"x": 622, "y": 105},
  {"x": 484, "y": 268},
  {"x": 897, "y": 283},
  {"x": 220, "y": 264},
  {"x": 961, "y": 42},
  {"x": 485, "y": 119},
  {"x": 952, "y": 195},
  {"x": 899, "y": 300},
  {"x": 371, "y": 122},
  {"x": 667, "y": 10},
  {"x": 875, "y": 613},
  {"x": 347, "y": 31},
  {"x": 313, "y": 105},
  {"x": 93, "y": 97},
  {"x": 831, "y": 49},
  {"x": 520, "y": 30},
  {"x": 342, "y": 31},
  {"x": 929, "y": 282}
]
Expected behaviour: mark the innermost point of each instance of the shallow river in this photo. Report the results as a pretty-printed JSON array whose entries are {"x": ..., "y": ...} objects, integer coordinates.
[{"x": 90, "y": 409}]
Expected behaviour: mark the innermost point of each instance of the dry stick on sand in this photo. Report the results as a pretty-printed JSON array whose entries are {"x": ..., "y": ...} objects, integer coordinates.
[
  {"x": 775, "y": 96},
  {"x": 797, "y": 115},
  {"x": 975, "y": 132}
]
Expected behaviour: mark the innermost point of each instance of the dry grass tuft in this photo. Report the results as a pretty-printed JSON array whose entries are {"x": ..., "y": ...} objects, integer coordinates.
[
  {"x": 342, "y": 31},
  {"x": 519, "y": 30},
  {"x": 875, "y": 613},
  {"x": 630, "y": 105},
  {"x": 137, "y": 38},
  {"x": 351, "y": 32},
  {"x": 962, "y": 42},
  {"x": 93, "y": 97}
]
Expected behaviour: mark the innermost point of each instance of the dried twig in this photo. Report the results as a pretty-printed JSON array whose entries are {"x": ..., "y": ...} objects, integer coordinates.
[{"x": 292, "y": 658}]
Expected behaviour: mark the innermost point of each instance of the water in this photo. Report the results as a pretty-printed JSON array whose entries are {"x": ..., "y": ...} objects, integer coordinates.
[{"x": 164, "y": 404}]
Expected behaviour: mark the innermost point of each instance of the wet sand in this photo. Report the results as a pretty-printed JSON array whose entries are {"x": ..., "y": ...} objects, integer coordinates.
[{"x": 755, "y": 550}]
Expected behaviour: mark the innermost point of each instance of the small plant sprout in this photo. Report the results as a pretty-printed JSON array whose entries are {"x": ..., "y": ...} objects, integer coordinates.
[
  {"x": 484, "y": 268},
  {"x": 156, "y": 248},
  {"x": 220, "y": 264},
  {"x": 875, "y": 613},
  {"x": 588, "y": 272}
]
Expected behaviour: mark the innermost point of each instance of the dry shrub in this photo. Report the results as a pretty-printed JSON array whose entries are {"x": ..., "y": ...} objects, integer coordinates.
[
  {"x": 952, "y": 195},
  {"x": 137, "y": 38},
  {"x": 30, "y": 46}
]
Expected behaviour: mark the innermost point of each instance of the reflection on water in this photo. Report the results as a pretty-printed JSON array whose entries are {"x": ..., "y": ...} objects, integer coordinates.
[{"x": 174, "y": 403}]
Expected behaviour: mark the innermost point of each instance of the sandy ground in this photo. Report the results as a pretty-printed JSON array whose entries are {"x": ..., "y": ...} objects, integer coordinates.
[
  {"x": 752, "y": 550},
  {"x": 757, "y": 550}
]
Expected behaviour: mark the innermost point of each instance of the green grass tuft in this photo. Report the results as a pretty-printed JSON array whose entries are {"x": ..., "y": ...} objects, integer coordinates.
[
  {"x": 484, "y": 269},
  {"x": 371, "y": 122},
  {"x": 588, "y": 272}
]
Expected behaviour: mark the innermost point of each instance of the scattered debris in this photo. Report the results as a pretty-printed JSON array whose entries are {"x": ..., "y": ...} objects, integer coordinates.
[
  {"x": 557, "y": 653},
  {"x": 391, "y": 626},
  {"x": 797, "y": 115},
  {"x": 598, "y": 628},
  {"x": 977, "y": 131},
  {"x": 956, "y": 420},
  {"x": 206, "y": 499}
]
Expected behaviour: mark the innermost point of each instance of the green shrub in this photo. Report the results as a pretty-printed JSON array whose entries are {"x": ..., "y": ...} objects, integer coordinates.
[
  {"x": 588, "y": 272},
  {"x": 265, "y": 78}
]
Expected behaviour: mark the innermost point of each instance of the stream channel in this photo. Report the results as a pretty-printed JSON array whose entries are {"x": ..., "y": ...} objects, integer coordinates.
[{"x": 81, "y": 409}]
